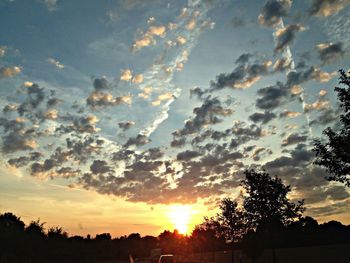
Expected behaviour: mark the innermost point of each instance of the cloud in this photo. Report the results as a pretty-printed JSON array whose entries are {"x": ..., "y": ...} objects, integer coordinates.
[
  {"x": 50, "y": 4},
  {"x": 82, "y": 149},
  {"x": 326, "y": 8},
  {"x": 103, "y": 99},
  {"x": 242, "y": 133},
  {"x": 54, "y": 162},
  {"x": 14, "y": 142},
  {"x": 139, "y": 140},
  {"x": 178, "y": 142},
  {"x": 101, "y": 84},
  {"x": 154, "y": 153},
  {"x": 299, "y": 158},
  {"x": 295, "y": 78},
  {"x": 330, "y": 52},
  {"x": 51, "y": 114},
  {"x": 283, "y": 64},
  {"x": 56, "y": 63},
  {"x": 244, "y": 58},
  {"x": 148, "y": 38},
  {"x": 17, "y": 136},
  {"x": 322, "y": 93},
  {"x": 165, "y": 96},
  {"x": 2, "y": 51},
  {"x": 126, "y": 125},
  {"x": 289, "y": 114},
  {"x": 35, "y": 96},
  {"x": 208, "y": 113},
  {"x": 272, "y": 97},
  {"x": 100, "y": 167},
  {"x": 263, "y": 117},
  {"x": 326, "y": 117},
  {"x": 260, "y": 152},
  {"x": 146, "y": 92},
  {"x": 66, "y": 172},
  {"x": 138, "y": 79},
  {"x": 157, "y": 30},
  {"x": 126, "y": 75},
  {"x": 273, "y": 11},
  {"x": 24, "y": 160},
  {"x": 9, "y": 72},
  {"x": 131, "y": 4},
  {"x": 187, "y": 155},
  {"x": 285, "y": 36},
  {"x": 9, "y": 108},
  {"x": 243, "y": 76},
  {"x": 317, "y": 105},
  {"x": 83, "y": 124},
  {"x": 294, "y": 138}
]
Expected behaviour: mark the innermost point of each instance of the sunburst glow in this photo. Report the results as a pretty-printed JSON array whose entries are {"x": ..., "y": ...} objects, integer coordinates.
[{"x": 180, "y": 217}]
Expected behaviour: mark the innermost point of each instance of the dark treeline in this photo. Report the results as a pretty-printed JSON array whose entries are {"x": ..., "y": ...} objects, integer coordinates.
[
  {"x": 263, "y": 218},
  {"x": 20, "y": 243}
]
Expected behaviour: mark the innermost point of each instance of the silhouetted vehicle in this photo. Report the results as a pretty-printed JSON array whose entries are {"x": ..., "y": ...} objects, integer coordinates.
[{"x": 166, "y": 259}]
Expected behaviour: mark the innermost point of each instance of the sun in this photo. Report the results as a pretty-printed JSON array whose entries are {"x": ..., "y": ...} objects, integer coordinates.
[{"x": 180, "y": 216}]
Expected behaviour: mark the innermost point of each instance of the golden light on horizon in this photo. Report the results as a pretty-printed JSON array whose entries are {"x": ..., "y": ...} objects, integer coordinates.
[{"x": 180, "y": 216}]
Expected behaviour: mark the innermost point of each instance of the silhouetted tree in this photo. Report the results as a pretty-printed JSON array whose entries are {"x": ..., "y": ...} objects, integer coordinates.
[
  {"x": 12, "y": 238},
  {"x": 263, "y": 216},
  {"x": 103, "y": 236},
  {"x": 56, "y": 233},
  {"x": 36, "y": 241},
  {"x": 334, "y": 154},
  {"x": 266, "y": 200},
  {"x": 36, "y": 229},
  {"x": 204, "y": 239},
  {"x": 172, "y": 242},
  {"x": 230, "y": 223},
  {"x": 10, "y": 222},
  {"x": 19, "y": 243}
]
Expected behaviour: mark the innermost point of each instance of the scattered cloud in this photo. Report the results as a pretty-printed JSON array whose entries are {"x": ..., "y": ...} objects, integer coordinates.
[
  {"x": 326, "y": 8},
  {"x": 9, "y": 72},
  {"x": 330, "y": 52},
  {"x": 126, "y": 75},
  {"x": 263, "y": 117},
  {"x": 51, "y": 4},
  {"x": 56, "y": 63},
  {"x": 286, "y": 36},
  {"x": 273, "y": 11}
]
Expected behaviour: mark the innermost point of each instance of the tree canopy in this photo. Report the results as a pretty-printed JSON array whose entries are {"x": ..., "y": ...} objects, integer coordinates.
[
  {"x": 334, "y": 152},
  {"x": 266, "y": 199},
  {"x": 265, "y": 203}
]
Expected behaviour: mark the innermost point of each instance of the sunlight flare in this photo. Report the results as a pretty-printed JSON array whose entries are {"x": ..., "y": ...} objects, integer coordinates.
[{"x": 180, "y": 217}]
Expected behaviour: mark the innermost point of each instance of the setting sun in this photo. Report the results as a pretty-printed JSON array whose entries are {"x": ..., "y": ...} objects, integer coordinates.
[{"x": 180, "y": 217}]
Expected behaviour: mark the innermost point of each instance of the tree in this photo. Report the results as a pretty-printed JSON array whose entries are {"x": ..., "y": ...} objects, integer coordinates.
[
  {"x": 265, "y": 208},
  {"x": 204, "y": 239},
  {"x": 103, "y": 236},
  {"x": 10, "y": 222},
  {"x": 172, "y": 242},
  {"x": 334, "y": 154},
  {"x": 230, "y": 223},
  {"x": 12, "y": 241},
  {"x": 56, "y": 233},
  {"x": 266, "y": 200}
]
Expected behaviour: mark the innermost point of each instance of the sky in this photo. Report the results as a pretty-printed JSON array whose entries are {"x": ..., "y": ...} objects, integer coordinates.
[{"x": 129, "y": 116}]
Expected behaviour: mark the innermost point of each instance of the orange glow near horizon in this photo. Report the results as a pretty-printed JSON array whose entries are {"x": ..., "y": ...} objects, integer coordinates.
[{"x": 180, "y": 216}]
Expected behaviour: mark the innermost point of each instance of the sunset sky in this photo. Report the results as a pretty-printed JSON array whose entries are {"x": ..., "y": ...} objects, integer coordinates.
[{"x": 129, "y": 116}]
